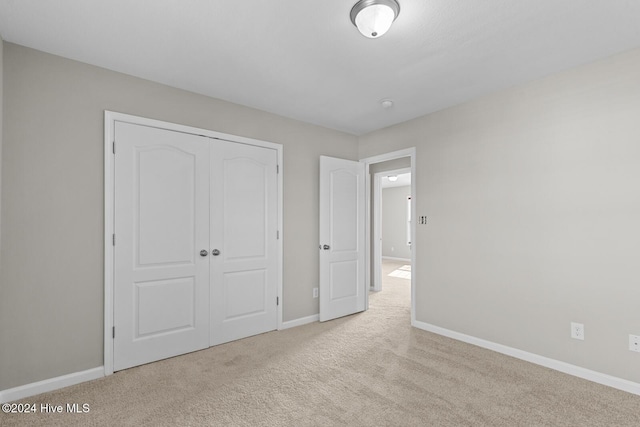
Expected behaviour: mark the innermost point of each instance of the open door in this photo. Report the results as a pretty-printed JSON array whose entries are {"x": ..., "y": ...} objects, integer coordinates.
[{"x": 342, "y": 238}]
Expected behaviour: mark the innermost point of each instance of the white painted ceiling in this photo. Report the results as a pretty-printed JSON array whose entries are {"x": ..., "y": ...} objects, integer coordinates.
[{"x": 305, "y": 60}]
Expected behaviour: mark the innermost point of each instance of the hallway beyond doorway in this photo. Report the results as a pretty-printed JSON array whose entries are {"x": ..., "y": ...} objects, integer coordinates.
[{"x": 396, "y": 290}]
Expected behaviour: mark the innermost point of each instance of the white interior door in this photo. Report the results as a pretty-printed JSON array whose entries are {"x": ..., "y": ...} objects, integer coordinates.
[
  {"x": 161, "y": 286},
  {"x": 244, "y": 233},
  {"x": 342, "y": 237}
]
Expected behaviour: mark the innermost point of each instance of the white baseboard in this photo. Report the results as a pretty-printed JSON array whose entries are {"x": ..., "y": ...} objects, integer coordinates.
[
  {"x": 390, "y": 258},
  {"x": 51, "y": 384},
  {"x": 567, "y": 368},
  {"x": 299, "y": 322}
]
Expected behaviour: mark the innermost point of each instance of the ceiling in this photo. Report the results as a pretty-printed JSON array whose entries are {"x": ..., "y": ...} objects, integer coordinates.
[{"x": 305, "y": 60}]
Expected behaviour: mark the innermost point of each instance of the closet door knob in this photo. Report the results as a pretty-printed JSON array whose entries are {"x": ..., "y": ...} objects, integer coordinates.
[
  {"x": 203, "y": 252},
  {"x": 215, "y": 252}
]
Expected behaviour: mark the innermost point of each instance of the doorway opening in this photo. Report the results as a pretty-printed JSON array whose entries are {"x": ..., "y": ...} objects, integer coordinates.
[
  {"x": 392, "y": 233},
  {"x": 391, "y": 212},
  {"x": 391, "y": 228}
]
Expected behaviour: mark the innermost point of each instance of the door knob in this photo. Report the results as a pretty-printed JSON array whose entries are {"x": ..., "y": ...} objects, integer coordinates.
[
  {"x": 203, "y": 252},
  {"x": 326, "y": 247},
  {"x": 215, "y": 252}
]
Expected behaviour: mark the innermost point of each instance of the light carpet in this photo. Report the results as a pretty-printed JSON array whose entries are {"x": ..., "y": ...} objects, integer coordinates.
[{"x": 369, "y": 369}]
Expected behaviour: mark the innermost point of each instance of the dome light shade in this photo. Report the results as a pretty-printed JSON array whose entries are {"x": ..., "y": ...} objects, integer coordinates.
[{"x": 373, "y": 18}]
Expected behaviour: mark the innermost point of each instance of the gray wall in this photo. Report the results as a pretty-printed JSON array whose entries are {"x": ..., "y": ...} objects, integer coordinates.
[
  {"x": 394, "y": 222},
  {"x": 533, "y": 209},
  {"x": 1, "y": 117},
  {"x": 51, "y": 305}
]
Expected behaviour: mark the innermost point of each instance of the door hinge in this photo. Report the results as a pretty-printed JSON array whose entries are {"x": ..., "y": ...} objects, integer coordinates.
[
  {"x": 113, "y": 147},
  {"x": 277, "y": 168},
  {"x": 114, "y": 239},
  {"x": 277, "y": 300},
  {"x": 278, "y": 235},
  {"x": 113, "y": 332}
]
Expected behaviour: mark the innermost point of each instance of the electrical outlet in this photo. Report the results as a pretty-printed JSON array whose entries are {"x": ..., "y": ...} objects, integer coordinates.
[
  {"x": 634, "y": 343},
  {"x": 315, "y": 292},
  {"x": 577, "y": 331}
]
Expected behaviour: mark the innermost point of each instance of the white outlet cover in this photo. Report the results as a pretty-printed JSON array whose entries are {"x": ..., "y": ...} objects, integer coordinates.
[
  {"x": 577, "y": 331},
  {"x": 634, "y": 343}
]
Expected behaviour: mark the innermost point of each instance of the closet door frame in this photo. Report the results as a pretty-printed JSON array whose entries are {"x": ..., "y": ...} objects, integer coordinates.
[{"x": 110, "y": 119}]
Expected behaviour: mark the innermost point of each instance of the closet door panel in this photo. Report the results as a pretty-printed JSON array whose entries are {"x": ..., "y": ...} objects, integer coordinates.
[
  {"x": 161, "y": 286},
  {"x": 244, "y": 214}
]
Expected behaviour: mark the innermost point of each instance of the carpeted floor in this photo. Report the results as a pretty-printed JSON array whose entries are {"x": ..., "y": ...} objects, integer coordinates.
[{"x": 369, "y": 369}]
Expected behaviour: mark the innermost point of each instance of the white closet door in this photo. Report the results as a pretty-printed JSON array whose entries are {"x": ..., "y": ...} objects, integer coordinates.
[
  {"x": 244, "y": 261},
  {"x": 342, "y": 238},
  {"x": 161, "y": 291}
]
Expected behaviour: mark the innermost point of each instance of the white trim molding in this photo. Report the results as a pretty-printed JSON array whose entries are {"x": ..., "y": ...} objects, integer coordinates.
[
  {"x": 567, "y": 368},
  {"x": 51, "y": 384},
  {"x": 299, "y": 322}
]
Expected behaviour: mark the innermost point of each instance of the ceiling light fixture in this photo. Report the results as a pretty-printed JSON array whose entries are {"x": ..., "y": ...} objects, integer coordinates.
[
  {"x": 373, "y": 18},
  {"x": 393, "y": 178}
]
